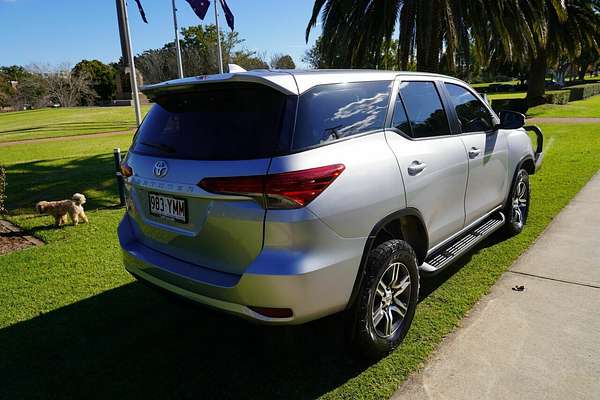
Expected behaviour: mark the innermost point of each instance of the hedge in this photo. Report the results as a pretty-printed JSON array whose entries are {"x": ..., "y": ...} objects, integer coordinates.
[
  {"x": 519, "y": 105},
  {"x": 580, "y": 92},
  {"x": 558, "y": 97}
]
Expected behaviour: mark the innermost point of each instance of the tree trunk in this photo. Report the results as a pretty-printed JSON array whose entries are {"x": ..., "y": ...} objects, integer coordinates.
[
  {"x": 406, "y": 33},
  {"x": 537, "y": 79},
  {"x": 583, "y": 67},
  {"x": 429, "y": 35},
  {"x": 435, "y": 48}
]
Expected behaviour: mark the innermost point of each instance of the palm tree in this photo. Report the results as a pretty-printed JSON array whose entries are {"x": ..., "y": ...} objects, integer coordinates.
[
  {"x": 559, "y": 28},
  {"x": 356, "y": 33},
  {"x": 427, "y": 28},
  {"x": 349, "y": 23}
]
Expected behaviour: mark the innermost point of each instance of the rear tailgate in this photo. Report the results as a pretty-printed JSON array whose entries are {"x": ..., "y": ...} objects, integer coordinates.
[
  {"x": 218, "y": 130},
  {"x": 220, "y": 232}
]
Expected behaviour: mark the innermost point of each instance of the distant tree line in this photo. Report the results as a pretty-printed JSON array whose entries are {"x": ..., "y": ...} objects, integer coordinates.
[
  {"x": 199, "y": 55},
  {"x": 92, "y": 82},
  {"x": 38, "y": 85}
]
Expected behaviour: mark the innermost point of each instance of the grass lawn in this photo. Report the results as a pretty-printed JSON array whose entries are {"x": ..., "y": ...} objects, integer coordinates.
[
  {"x": 515, "y": 95},
  {"x": 503, "y": 96},
  {"x": 56, "y": 170},
  {"x": 589, "y": 107},
  {"x": 486, "y": 84},
  {"x": 73, "y": 324},
  {"x": 52, "y": 122}
]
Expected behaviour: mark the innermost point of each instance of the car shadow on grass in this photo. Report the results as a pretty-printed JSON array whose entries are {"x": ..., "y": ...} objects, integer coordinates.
[
  {"x": 129, "y": 342},
  {"x": 133, "y": 342}
]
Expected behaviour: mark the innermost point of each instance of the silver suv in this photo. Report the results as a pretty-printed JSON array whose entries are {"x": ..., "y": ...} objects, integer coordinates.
[{"x": 286, "y": 196}]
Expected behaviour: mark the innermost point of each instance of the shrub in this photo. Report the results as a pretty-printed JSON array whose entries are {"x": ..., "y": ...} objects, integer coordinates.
[
  {"x": 558, "y": 97},
  {"x": 580, "y": 92},
  {"x": 503, "y": 78},
  {"x": 519, "y": 105},
  {"x": 2, "y": 189}
]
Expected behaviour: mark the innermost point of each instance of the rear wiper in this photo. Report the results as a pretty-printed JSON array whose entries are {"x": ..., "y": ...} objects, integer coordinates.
[
  {"x": 160, "y": 146},
  {"x": 333, "y": 132}
]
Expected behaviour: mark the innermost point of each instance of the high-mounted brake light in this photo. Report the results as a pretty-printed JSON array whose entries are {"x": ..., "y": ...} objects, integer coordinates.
[
  {"x": 126, "y": 170},
  {"x": 277, "y": 191}
]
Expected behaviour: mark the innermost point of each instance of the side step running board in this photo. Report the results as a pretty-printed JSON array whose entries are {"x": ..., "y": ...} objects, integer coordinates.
[{"x": 446, "y": 255}]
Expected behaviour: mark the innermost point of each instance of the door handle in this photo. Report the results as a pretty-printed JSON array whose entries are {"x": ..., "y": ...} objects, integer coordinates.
[
  {"x": 474, "y": 152},
  {"x": 416, "y": 167}
]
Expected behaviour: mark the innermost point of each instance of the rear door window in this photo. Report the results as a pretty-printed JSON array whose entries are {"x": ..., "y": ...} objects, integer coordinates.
[
  {"x": 472, "y": 114},
  {"x": 424, "y": 108},
  {"x": 400, "y": 119},
  {"x": 217, "y": 122},
  {"x": 336, "y": 111}
]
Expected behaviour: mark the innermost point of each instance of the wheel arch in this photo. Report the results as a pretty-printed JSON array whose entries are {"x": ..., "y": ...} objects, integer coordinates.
[
  {"x": 527, "y": 164},
  {"x": 407, "y": 225}
]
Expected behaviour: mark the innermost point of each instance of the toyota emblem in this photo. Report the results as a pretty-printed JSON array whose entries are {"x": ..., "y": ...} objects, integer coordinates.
[{"x": 160, "y": 169}]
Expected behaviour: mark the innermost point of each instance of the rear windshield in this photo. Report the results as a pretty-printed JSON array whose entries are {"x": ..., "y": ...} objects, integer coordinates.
[
  {"x": 336, "y": 111},
  {"x": 224, "y": 122}
]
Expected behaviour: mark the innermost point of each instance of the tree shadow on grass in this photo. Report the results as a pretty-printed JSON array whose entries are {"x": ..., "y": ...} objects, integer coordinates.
[
  {"x": 35, "y": 181},
  {"x": 68, "y": 127}
]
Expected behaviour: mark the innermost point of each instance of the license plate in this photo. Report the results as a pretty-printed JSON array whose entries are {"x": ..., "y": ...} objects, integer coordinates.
[{"x": 168, "y": 207}]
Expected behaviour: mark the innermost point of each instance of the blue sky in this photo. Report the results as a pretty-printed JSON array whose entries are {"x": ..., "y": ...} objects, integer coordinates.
[{"x": 57, "y": 31}]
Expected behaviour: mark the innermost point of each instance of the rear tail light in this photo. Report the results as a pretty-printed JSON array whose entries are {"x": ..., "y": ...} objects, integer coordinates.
[
  {"x": 126, "y": 170},
  {"x": 278, "y": 191}
]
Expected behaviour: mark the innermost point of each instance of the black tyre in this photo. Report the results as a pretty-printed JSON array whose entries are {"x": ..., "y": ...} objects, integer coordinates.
[
  {"x": 387, "y": 301},
  {"x": 517, "y": 206}
]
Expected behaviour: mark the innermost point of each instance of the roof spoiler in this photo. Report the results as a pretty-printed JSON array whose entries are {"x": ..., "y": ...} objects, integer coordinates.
[
  {"x": 235, "y": 68},
  {"x": 283, "y": 82}
]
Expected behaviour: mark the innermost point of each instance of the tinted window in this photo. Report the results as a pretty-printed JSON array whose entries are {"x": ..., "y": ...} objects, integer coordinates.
[
  {"x": 330, "y": 112},
  {"x": 424, "y": 109},
  {"x": 472, "y": 114},
  {"x": 400, "y": 119},
  {"x": 232, "y": 121}
]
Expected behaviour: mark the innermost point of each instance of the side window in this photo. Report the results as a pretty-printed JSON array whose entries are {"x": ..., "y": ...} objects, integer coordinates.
[
  {"x": 424, "y": 108},
  {"x": 400, "y": 119},
  {"x": 330, "y": 112},
  {"x": 472, "y": 114}
]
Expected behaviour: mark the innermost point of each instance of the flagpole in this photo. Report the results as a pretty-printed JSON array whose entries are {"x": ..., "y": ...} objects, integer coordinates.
[
  {"x": 219, "y": 54},
  {"x": 177, "y": 47},
  {"x": 132, "y": 74}
]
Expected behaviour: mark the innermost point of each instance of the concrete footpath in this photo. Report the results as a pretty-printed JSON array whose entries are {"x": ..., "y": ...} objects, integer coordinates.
[{"x": 540, "y": 343}]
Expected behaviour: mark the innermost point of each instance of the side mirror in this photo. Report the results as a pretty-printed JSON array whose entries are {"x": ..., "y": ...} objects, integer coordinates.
[{"x": 511, "y": 120}]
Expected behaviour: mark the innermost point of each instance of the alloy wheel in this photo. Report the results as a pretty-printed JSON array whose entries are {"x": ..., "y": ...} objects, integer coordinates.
[
  {"x": 519, "y": 203},
  {"x": 391, "y": 300}
]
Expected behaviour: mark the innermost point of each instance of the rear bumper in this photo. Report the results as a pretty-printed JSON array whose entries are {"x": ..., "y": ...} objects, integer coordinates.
[{"x": 273, "y": 280}]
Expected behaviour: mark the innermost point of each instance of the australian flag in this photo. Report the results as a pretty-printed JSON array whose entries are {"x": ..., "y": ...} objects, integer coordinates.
[
  {"x": 142, "y": 13},
  {"x": 200, "y": 7},
  {"x": 228, "y": 13}
]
